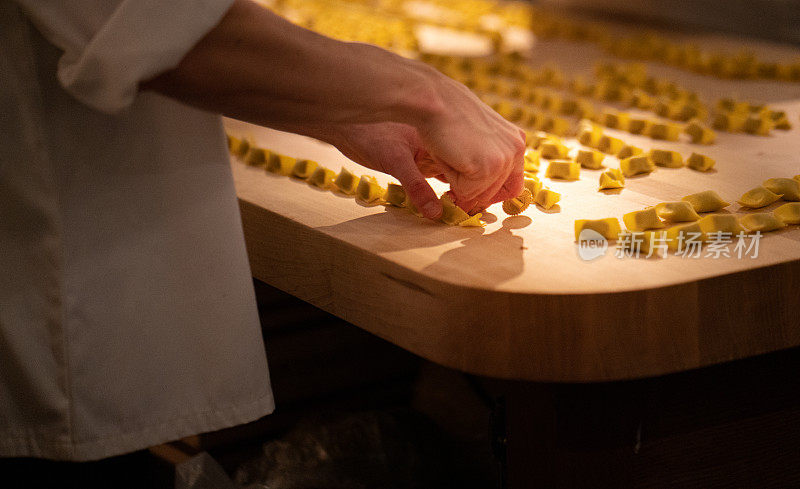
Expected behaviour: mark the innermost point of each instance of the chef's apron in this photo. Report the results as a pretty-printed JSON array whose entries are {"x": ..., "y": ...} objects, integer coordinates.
[{"x": 127, "y": 314}]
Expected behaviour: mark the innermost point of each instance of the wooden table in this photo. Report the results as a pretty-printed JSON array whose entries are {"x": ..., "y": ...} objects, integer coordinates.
[{"x": 514, "y": 300}]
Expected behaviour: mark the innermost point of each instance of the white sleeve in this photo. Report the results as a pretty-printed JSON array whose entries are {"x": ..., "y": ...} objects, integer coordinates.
[{"x": 111, "y": 46}]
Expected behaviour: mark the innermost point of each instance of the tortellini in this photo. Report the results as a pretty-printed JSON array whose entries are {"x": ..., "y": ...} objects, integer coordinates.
[
  {"x": 368, "y": 190},
  {"x": 664, "y": 130},
  {"x": 346, "y": 182},
  {"x": 612, "y": 178},
  {"x": 256, "y": 157},
  {"x": 758, "y": 197},
  {"x": 322, "y": 178},
  {"x": 553, "y": 150},
  {"x": 396, "y": 195},
  {"x": 788, "y": 213},
  {"x": 589, "y": 134},
  {"x": 280, "y": 164},
  {"x": 636, "y": 165},
  {"x": 516, "y": 205},
  {"x": 304, "y": 168},
  {"x": 699, "y": 133},
  {"x": 638, "y": 126},
  {"x": 668, "y": 159},
  {"x": 706, "y": 201},
  {"x": 758, "y": 125},
  {"x": 451, "y": 213},
  {"x": 677, "y": 211},
  {"x": 627, "y": 151},
  {"x": 589, "y": 158},
  {"x": 239, "y": 147},
  {"x": 531, "y": 160},
  {"x": 760, "y": 221},
  {"x": 563, "y": 169},
  {"x": 547, "y": 198},
  {"x": 679, "y": 236},
  {"x": 609, "y": 228},
  {"x": 533, "y": 185},
  {"x": 642, "y": 220},
  {"x": 720, "y": 223},
  {"x": 610, "y": 145},
  {"x": 615, "y": 120},
  {"x": 700, "y": 162},
  {"x": 787, "y": 188}
]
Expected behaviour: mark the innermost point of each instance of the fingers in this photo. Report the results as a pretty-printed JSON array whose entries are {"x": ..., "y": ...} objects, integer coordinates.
[{"x": 418, "y": 190}]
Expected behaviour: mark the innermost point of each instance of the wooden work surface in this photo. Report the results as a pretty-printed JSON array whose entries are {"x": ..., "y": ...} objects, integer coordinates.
[{"x": 514, "y": 300}]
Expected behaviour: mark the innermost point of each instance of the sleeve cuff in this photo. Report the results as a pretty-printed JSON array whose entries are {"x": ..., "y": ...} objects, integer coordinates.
[{"x": 142, "y": 39}]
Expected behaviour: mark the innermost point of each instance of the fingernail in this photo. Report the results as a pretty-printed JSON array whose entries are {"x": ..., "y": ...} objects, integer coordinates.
[{"x": 431, "y": 209}]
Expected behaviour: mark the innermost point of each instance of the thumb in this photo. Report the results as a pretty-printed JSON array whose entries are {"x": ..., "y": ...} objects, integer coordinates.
[{"x": 418, "y": 190}]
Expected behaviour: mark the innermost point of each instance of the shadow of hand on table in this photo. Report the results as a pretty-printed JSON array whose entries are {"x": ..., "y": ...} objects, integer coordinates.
[{"x": 486, "y": 260}]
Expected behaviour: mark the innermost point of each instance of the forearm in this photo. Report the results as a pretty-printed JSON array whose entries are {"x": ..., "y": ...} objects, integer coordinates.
[{"x": 256, "y": 66}]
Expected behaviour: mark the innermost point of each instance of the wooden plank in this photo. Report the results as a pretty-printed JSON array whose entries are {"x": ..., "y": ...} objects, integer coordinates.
[{"x": 514, "y": 300}]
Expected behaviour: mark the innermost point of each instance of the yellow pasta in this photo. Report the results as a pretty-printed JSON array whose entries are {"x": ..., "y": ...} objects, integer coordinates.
[
  {"x": 280, "y": 164},
  {"x": 368, "y": 190},
  {"x": 547, "y": 198},
  {"x": 700, "y": 162},
  {"x": 531, "y": 160},
  {"x": 533, "y": 185},
  {"x": 664, "y": 130},
  {"x": 396, "y": 195},
  {"x": 589, "y": 158},
  {"x": 589, "y": 134},
  {"x": 638, "y": 126},
  {"x": 304, "y": 168},
  {"x": 758, "y": 197},
  {"x": 612, "y": 178},
  {"x": 519, "y": 203},
  {"x": 451, "y": 213},
  {"x": 610, "y": 145},
  {"x": 239, "y": 147},
  {"x": 256, "y": 157},
  {"x": 627, "y": 151},
  {"x": 473, "y": 221},
  {"x": 563, "y": 169},
  {"x": 728, "y": 122},
  {"x": 665, "y": 158},
  {"x": 720, "y": 223},
  {"x": 615, "y": 120},
  {"x": 678, "y": 237},
  {"x": 706, "y": 201},
  {"x": 322, "y": 178},
  {"x": 346, "y": 182},
  {"x": 787, "y": 188},
  {"x": 699, "y": 133},
  {"x": 788, "y": 213},
  {"x": 676, "y": 211},
  {"x": 642, "y": 220},
  {"x": 553, "y": 150},
  {"x": 760, "y": 221},
  {"x": 757, "y": 125},
  {"x": 609, "y": 228},
  {"x": 636, "y": 165}
]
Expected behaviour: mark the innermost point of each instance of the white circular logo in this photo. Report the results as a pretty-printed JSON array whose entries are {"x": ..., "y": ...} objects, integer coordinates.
[{"x": 591, "y": 245}]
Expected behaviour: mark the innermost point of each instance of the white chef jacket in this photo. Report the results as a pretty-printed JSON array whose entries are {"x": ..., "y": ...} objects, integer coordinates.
[{"x": 127, "y": 314}]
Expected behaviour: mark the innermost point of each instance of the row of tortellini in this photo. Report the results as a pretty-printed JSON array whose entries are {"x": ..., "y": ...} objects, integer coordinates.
[
  {"x": 366, "y": 188},
  {"x": 682, "y": 218}
]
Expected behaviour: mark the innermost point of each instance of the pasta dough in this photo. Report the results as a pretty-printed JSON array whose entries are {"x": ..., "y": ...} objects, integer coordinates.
[
  {"x": 761, "y": 221},
  {"x": 612, "y": 178},
  {"x": 636, "y": 165},
  {"x": 642, "y": 220},
  {"x": 473, "y": 221},
  {"x": 346, "y": 182},
  {"x": 668, "y": 159},
  {"x": 519, "y": 203},
  {"x": 609, "y": 227},
  {"x": 676, "y": 211},
  {"x": 627, "y": 151},
  {"x": 304, "y": 168},
  {"x": 451, "y": 213},
  {"x": 547, "y": 198},
  {"x": 563, "y": 169},
  {"x": 322, "y": 178},
  {"x": 396, "y": 195},
  {"x": 787, "y": 188},
  {"x": 589, "y": 158},
  {"x": 788, "y": 213},
  {"x": 280, "y": 164},
  {"x": 368, "y": 190},
  {"x": 553, "y": 150},
  {"x": 531, "y": 161},
  {"x": 706, "y": 201},
  {"x": 758, "y": 197},
  {"x": 700, "y": 162},
  {"x": 720, "y": 223}
]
